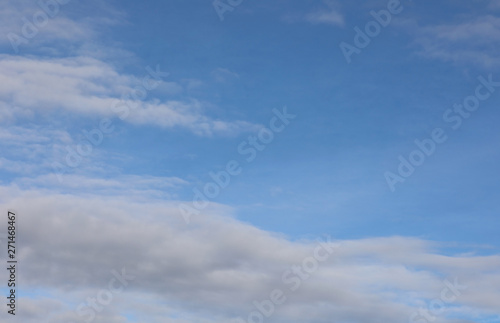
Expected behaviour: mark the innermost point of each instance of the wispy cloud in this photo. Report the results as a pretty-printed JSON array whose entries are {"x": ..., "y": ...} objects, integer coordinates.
[
  {"x": 50, "y": 27},
  {"x": 472, "y": 41},
  {"x": 222, "y": 75},
  {"x": 325, "y": 12},
  {"x": 90, "y": 87},
  {"x": 330, "y": 17},
  {"x": 493, "y": 4},
  {"x": 141, "y": 186},
  {"x": 29, "y": 150}
]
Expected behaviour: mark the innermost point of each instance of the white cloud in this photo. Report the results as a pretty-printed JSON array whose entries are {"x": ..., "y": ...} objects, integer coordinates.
[
  {"x": 139, "y": 186},
  {"x": 51, "y": 27},
  {"x": 327, "y": 13},
  {"x": 222, "y": 75},
  {"x": 331, "y": 17},
  {"x": 29, "y": 150},
  {"x": 470, "y": 41},
  {"x": 83, "y": 84},
  {"x": 89, "y": 87},
  {"x": 28, "y": 26}
]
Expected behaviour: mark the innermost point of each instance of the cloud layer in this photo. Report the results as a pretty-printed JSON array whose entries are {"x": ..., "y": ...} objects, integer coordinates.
[{"x": 214, "y": 269}]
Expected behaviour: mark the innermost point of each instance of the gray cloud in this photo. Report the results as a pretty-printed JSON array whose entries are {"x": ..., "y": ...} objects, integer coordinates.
[{"x": 213, "y": 269}]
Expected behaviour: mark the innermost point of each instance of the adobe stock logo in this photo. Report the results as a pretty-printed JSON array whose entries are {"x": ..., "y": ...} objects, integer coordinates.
[
  {"x": 49, "y": 10},
  {"x": 88, "y": 311},
  {"x": 437, "y": 306},
  {"x": 372, "y": 29},
  {"x": 223, "y": 6},
  {"x": 122, "y": 107},
  {"x": 455, "y": 117},
  {"x": 250, "y": 147},
  {"x": 291, "y": 279}
]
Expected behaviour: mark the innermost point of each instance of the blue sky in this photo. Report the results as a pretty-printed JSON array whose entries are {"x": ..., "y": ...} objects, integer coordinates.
[{"x": 179, "y": 90}]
